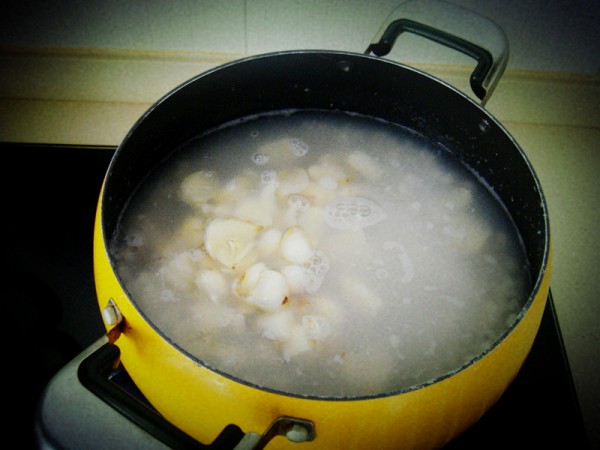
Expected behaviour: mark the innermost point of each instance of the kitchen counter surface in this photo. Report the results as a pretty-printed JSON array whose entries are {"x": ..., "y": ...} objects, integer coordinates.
[{"x": 93, "y": 98}]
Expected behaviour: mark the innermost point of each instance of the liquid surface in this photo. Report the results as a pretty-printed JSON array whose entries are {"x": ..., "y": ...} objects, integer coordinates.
[{"x": 322, "y": 254}]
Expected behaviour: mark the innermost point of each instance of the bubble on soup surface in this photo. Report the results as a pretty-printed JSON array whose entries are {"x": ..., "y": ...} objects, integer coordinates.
[
  {"x": 352, "y": 213},
  {"x": 317, "y": 266},
  {"x": 298, "y": 147},
  {"x": 299, "y": 202},
  {"x": 260, "y": 159},
  {"x": 269, "y": 178}
]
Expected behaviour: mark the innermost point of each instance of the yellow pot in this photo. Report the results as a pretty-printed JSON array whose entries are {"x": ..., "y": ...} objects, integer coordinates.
[{"x": 201, "y": 401}]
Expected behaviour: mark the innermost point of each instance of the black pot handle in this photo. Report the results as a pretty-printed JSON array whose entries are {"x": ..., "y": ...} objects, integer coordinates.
[
  {"x": 456, "y": 28},
  {"x": 102, "y": 374},
  {"x": 98, "y": 373},
  {"x": 103, "y": 365}
]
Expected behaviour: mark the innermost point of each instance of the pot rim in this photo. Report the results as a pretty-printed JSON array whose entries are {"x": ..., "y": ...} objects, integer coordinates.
[{"x": 540, "y": 278}]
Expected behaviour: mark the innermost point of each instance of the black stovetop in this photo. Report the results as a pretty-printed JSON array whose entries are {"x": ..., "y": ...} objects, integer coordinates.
[{"x": 52, "y": 193}]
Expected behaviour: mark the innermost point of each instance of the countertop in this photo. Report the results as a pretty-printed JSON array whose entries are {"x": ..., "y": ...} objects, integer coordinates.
[{"x": 87, "y": 97}]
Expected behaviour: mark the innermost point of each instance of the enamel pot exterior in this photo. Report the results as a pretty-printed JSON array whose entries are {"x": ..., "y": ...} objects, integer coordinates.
[{"x": 202, "y": 401}]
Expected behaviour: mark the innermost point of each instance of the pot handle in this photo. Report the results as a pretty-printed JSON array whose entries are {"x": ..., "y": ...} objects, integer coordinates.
[
  {"x": 294, "y": 429},
  {"x": 455, "y": 27},
  {"x": 92, "y": 374},
  {"x": 101, "y": 374}
]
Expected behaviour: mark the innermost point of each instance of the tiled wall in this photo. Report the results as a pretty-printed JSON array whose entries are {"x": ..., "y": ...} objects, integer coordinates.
[{"x": 548, "y": 35}]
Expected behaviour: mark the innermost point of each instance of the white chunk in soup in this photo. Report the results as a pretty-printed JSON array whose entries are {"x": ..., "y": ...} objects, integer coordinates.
[{"x": 322, "y": 254}]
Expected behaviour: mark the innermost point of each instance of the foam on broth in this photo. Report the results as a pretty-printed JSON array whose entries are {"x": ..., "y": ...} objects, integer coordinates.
[{"x": 323, "y": 254}]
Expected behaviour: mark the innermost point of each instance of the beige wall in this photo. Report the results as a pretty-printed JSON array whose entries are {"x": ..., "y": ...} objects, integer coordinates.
[{"x": 549, "y": 35}]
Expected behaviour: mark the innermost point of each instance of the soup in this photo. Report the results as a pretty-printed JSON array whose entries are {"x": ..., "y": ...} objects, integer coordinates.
[{"x": 323, "y": 254}]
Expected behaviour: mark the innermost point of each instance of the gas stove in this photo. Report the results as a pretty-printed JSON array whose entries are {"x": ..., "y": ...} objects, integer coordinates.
[{"x": 77, "y": 393}]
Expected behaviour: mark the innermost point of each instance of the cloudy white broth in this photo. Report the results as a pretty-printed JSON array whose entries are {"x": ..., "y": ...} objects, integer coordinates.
[{"x": 323, "y": 254}]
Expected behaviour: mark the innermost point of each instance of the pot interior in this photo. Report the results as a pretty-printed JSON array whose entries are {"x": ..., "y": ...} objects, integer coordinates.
[{"x": 336, "y": 81}]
